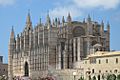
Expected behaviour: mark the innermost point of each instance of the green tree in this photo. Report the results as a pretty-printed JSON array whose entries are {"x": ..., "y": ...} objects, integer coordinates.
[
  {"x": 0, "y": 77},
  {"x": 118, "y": 77},
  {"x": 103, "y": 76},
  {"x": 90, "y": 77},
  {"x": 111, "y": 77},
  {"x": 94, "y": 78},
  {"x": 81, "y": 78}
]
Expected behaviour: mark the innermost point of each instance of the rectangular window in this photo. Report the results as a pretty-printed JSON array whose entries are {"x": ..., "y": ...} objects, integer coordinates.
[
  {"x": 106, "y": 60},
  {"x": 99, "y": 62},
  {"x": 99, "y": 71},
  {"x": 93, "y": 71},
  {"x": 116, "y": 60},
  {"x": 92, "y": 60},
  {"x": 106, "y": 71}
]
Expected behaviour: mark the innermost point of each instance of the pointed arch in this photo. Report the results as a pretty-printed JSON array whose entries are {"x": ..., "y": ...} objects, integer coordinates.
[{"x": 26, "y": 69}]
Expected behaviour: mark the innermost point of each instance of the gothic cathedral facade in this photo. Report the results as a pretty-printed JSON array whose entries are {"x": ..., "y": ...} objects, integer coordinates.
[{"x": 57, "y": 44}]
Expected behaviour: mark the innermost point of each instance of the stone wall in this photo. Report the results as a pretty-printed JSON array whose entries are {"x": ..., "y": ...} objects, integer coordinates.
[{"x": 3, "y": 69}]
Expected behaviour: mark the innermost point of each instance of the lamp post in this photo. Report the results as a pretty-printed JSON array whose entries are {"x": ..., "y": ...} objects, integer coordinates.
[{"x": 74, "y": 74}]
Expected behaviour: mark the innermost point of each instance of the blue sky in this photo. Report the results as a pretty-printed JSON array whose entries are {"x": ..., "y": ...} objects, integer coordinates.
[{"x": 14, "y": 12}]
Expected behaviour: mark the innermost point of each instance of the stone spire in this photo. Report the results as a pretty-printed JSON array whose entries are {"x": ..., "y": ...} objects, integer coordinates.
[
  {"x": 12, "y": 36},
  {"x": 63, "y": 20},
  {"x": 28, "y": 20},
  {"x": 89, "y": 18},
  {"x": 40, "y": 22},
  {"x": 102, "y": 23},
  {"x": 108, "y": 27},
  {"x": 12, "y": 41},
  {"x": 58, "y": 21},
  {"x": 89, "y": 26},
  {"x": 48, "y": 19},
  {"x": 69, "y": 19},
  {"x": 53, "y": 22},
  {"x": 11, "y": 51},
  {"x": 108, "y": 37},
  {"x": 84, "y": 20},
  {"x": 102, "y": 28}
]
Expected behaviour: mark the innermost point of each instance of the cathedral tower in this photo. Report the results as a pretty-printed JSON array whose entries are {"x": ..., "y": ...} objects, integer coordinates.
[{"x": 10, "y": 54}]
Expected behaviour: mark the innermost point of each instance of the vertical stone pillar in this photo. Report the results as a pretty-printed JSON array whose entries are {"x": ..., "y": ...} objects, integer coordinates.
[
  {"x": 108, "y": 38},
  {"x": 88, "y": 45},
  {"x": 70, "y": 53},
  {"x": 78, "y": 48},
  {"x": 81, "y": 48},
  {"x": 74, "y": 45},
  {"x": 64, "y": 60},
  {"x": 59, "y": 57}
]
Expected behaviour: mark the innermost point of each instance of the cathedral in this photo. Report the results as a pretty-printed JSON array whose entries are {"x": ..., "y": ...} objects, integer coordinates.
[{"x": 57, "y": 44}]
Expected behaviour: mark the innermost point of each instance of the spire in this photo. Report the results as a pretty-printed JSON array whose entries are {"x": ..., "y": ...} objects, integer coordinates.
[
  {"x": 102, "y": 28},
  {"x": 17, "y": 35},
  {"x": 40, "y": 21},
  {"x": 58, "y": 21},
  {"x": 108, "y": 26},
  {"x": 11, "y": 51},
  {"x": 63, "y": 20},
  {"x": 89, "y": 18},
  {"x": 12, "y": 35},
  {"x": 48, "y": 19},
  {"x": 84, "y": 20},
  {"x": 69, "y": 18},
  {"x": 28, "y": 17},
  {"x": 53, "y": 23},
  {"x": 102, "y": 23},
  {"x": 28, "y": 20}
]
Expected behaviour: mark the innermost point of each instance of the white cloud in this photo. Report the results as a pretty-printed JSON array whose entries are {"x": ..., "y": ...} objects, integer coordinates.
[
  {"x": 63, "y": 11},
  {"x": 77, "y": 6},
  {"x": 7, "y": 2},
  {"x": 106, "y": 4}
]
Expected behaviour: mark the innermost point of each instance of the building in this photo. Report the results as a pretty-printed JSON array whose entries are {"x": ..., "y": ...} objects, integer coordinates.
[
  {"x": 1, "y": 59},
  {"x": 100, "y": 64},
  {"x": 55, "y": 44},
  {"x": 3, "y": 67}
]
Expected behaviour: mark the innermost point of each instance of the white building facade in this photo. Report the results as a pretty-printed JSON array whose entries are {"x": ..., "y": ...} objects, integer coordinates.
[{"x": 100, "y": 64}]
